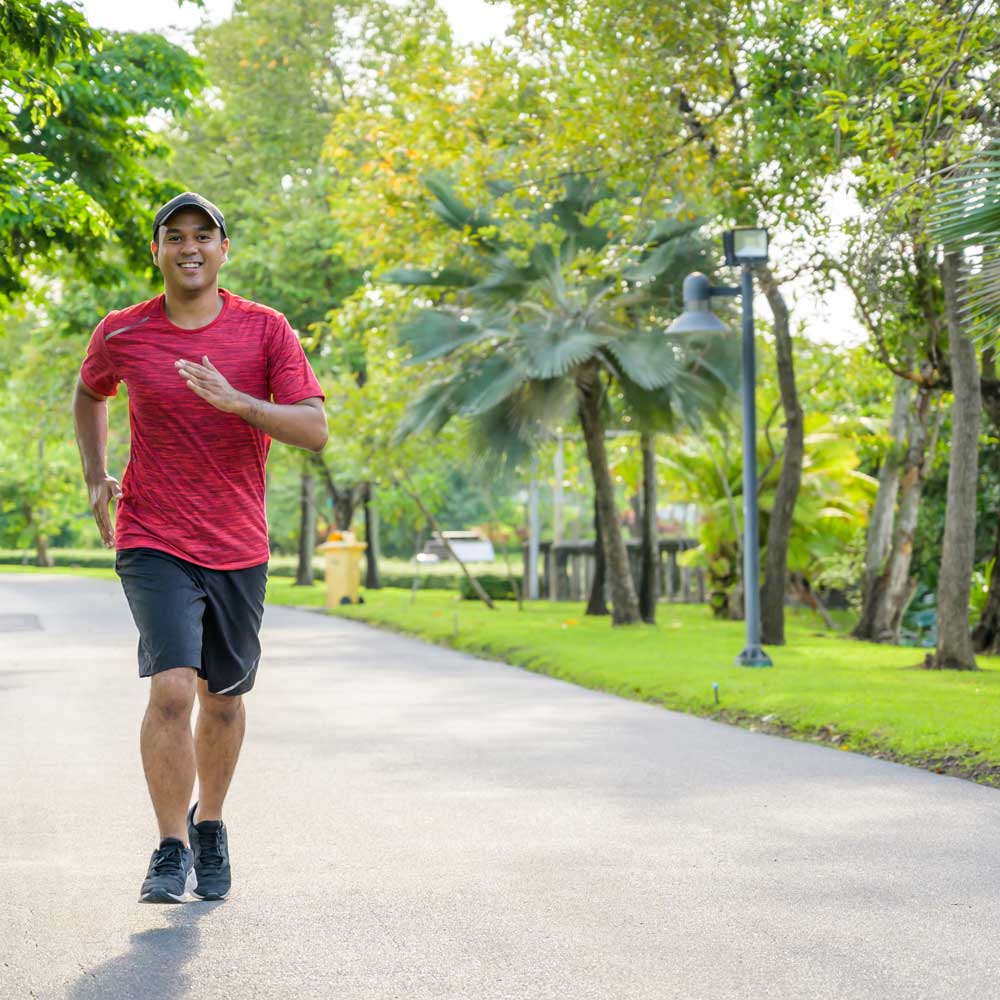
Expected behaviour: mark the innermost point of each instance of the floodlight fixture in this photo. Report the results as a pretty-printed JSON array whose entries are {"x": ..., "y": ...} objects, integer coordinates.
[{"x": 745, "y": 245}]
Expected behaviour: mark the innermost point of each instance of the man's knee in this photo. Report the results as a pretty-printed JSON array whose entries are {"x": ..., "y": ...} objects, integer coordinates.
[
  {"x": 171, "y": 693},
  {"x": 222, "y": 708}
]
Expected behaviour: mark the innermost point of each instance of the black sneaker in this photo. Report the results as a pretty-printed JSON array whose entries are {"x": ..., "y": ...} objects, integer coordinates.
[
  {"x": 171, "y": 873},
  {"x": 210, "y": 844}
]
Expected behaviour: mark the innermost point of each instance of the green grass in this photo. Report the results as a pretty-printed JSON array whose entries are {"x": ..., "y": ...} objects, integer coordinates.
[{"x": 823, "y": 686}]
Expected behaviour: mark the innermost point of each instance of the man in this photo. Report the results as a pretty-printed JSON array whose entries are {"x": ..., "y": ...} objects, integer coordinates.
[{"x": 212, "y": 377}]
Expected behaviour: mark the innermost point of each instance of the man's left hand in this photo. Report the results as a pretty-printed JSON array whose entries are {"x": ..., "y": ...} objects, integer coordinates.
[{"x": 208, "y": 382}]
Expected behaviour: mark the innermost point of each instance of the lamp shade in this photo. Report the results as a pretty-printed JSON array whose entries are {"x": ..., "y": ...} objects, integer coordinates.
[{"x": 697, "y": 316}]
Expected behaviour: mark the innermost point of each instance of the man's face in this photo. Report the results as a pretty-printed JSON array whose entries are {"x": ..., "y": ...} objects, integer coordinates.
[{"x": 189, "y": 250}]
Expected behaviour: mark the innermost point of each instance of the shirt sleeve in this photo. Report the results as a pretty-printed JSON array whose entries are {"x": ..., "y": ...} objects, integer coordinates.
[
  {"x": 290, "y": 377},
  {"x": 98, "y": 370}
]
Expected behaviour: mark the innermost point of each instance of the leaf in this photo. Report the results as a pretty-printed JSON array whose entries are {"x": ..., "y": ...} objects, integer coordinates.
[
  {"x": 648, "y": 359},
  {"x": 430, "y": 410},
  {"x": 449, "y": 208},
  {"x": 552, "y": 351},
  {"x": 434, "y": 334},
  {"x": 445, "y": 277},
  {"x": 653, "y": 264},
  {"x": 486, "y": 382}
]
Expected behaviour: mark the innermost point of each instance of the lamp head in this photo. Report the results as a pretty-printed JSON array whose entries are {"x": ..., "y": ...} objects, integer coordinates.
[
  {"x": 697, "y": 316},
  {"x": 745, "y": 245}
]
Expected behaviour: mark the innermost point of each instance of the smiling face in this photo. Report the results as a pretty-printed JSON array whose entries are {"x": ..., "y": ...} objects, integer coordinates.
[{"x": 189, "y": 251}]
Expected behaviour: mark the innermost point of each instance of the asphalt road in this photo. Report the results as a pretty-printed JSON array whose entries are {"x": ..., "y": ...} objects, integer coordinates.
[{"x": 413, "y": 823}]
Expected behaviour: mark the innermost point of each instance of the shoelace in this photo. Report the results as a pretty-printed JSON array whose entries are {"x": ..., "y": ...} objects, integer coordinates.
[
  {"x": 210, "y": 848},
  {"x": 168, "y": 859}
]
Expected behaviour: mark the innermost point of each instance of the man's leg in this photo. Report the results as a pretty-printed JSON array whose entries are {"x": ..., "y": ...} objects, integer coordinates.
[
  {"x": 218, "y": 738},
  {"x": 168, "y": 755}
]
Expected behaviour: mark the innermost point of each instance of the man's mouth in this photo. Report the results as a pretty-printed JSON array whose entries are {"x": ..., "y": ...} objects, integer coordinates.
[{"x": 190, "y": 266}]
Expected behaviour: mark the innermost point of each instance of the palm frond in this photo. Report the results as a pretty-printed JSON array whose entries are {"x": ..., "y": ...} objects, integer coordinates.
[
  {"x": 430, "y": 410},
  {"x": 967, "y": 218},
  {"x": 969, "y": 205},
  {"x": 551, "y": 351},
  {"x": 505, "y": 278},
  {"x": 449, "y": 208},
  {"x": 542, "y": 403},
  {"x": 648, "y": 359},
  {"x": 435, "y": 334},
  {"x": 486, "y": 382},
  {"x": 501, "y": 442},
  {"x": 445, "y": 277}
]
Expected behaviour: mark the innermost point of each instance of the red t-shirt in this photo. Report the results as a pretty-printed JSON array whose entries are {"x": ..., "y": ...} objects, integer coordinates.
[{"x": 194, "y": 484}]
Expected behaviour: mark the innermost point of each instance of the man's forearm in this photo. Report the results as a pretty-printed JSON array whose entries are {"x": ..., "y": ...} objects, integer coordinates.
[
  {"x": 302, "y": 425},
  {"x": 90, "y": 419}
]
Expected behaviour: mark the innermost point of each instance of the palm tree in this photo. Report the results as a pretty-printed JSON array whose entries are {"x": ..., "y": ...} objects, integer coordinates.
[
  {"x": 967, "y": 217},
  {"x": 527, "y": 335}
]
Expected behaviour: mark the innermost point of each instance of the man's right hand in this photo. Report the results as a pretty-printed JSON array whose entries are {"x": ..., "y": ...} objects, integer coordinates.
[{"x": 101, "y": 494}]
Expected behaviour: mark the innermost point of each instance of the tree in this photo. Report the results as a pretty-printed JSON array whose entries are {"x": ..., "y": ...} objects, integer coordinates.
[
  {"x": 533, "y": 333},
  {"x": 77, "y": 148}
]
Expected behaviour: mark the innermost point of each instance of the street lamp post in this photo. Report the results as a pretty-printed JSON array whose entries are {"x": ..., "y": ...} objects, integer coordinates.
[{"x": 743, "y": 248}]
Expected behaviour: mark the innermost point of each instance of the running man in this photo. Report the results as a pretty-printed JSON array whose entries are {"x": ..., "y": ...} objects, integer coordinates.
[{"x": 211, "y": 378}]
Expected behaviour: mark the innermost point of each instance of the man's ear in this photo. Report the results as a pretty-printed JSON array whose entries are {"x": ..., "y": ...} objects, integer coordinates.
[
  {"x": 153, "y": 248},
  {"x": 225, "y": 250}
]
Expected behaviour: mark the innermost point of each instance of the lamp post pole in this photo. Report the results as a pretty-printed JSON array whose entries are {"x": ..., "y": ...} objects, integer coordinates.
[
  {"x": 753, "y": 655},
  {"x": 743, "y": 247}
]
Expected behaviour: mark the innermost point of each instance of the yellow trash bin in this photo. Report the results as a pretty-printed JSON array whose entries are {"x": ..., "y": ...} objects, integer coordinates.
[{"x": 343, "y": 568}]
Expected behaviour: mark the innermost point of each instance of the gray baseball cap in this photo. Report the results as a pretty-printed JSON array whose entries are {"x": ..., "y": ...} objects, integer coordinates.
[{"x": 188, "y": 200}]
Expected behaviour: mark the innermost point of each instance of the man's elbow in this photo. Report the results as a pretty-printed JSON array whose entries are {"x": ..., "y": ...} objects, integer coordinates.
[
  {"x": 318, "y": 445},
  {"x": 319, "y": 439}
]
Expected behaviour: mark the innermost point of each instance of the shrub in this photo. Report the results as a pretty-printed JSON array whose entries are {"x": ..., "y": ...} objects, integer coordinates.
[{"x": 499, "y": 588}]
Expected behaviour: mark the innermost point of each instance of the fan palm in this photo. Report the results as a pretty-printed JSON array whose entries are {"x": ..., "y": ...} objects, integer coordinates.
[
  {"x": 529, "y": 337},
  {"x": 968, "y": 217}
]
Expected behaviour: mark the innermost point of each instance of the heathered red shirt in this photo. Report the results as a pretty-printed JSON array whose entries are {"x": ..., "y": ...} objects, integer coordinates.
[{"x": 194, "y": 484}]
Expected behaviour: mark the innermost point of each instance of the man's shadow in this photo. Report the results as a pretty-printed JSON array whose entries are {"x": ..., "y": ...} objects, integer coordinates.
[{"x": 155, "y": 964}]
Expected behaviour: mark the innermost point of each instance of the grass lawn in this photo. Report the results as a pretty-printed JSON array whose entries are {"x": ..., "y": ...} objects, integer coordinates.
[{"x": 823, "y": 686}]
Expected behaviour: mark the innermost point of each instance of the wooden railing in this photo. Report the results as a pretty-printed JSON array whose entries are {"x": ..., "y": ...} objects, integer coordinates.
[{"x": 568, "y": 570}]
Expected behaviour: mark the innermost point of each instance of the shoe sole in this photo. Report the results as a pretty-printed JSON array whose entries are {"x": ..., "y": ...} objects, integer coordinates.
[
  {"x": 162, "y": 896},
  {"x": 210, "y": 897}
]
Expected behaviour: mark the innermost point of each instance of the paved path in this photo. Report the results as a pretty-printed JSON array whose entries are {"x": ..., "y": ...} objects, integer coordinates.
[{"x": 413, "y": 823}]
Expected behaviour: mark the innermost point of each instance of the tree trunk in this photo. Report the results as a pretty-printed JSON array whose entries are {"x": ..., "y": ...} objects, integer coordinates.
[
  {"x": 624, "y": 603},
  {"x": 307, "y": 530},
  {"x": 880, "y": 522},
  {"x": 343, "y": 501},
  {"x": 649, "y": 578},
  {"x": 894, "y": 587},
  {"x": 42, "y": 555},
  {"x": 954, "y": 643},
  {"x": 779, "y": 529},
  {"x": 372, "y": 579},
  {"x": 596, "y": 604}
]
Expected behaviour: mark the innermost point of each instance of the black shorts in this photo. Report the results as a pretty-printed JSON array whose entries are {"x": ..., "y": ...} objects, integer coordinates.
[{"x": 191, "y": 616}]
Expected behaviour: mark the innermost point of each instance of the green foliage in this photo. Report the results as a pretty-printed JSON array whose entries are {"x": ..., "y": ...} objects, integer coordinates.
[
  {"x": 829, "y": 516},
  {"x": 499, "y": 588},
  {"x": 967, "y": 217},
  {"x": 510, "y": 342},
  {"x": 76, "y": 143},
  {"x": 858, "y": 696}
]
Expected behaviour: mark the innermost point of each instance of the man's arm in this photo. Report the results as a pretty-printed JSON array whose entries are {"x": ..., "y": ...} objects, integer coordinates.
[
  {"x": 301, "y": 424},
  {"x": 90, "y": 417}
]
